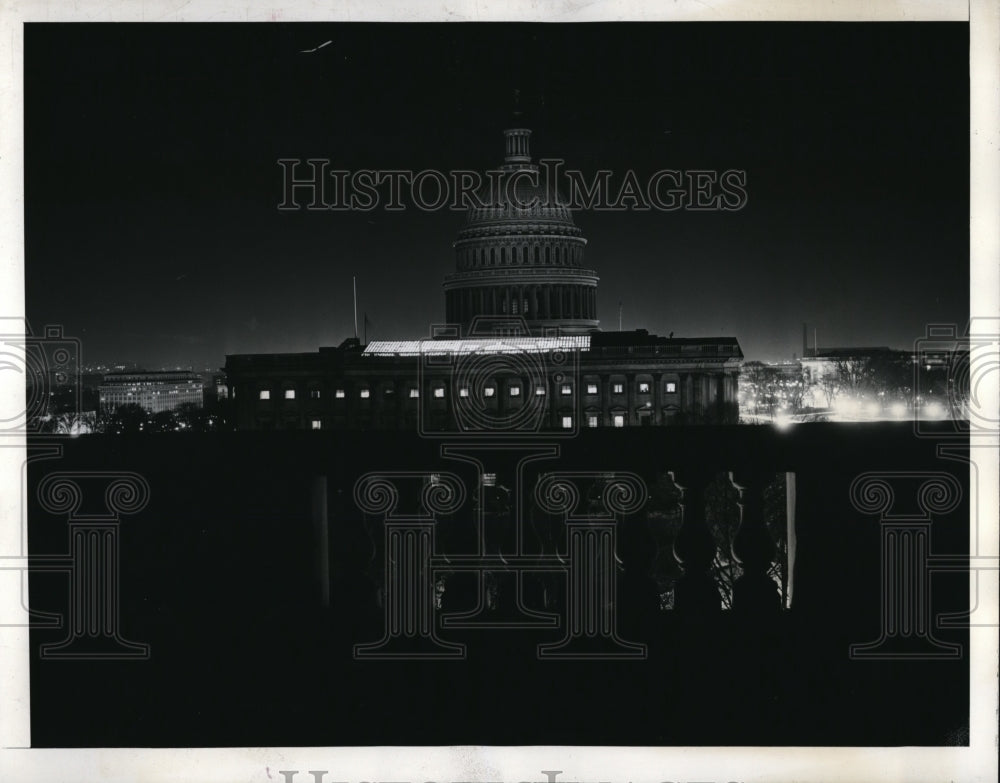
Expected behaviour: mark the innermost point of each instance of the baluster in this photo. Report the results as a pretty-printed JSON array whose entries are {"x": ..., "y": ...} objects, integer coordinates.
[
  {"x": 695, "y": 592},
  {"x": 754, "y": 592}
]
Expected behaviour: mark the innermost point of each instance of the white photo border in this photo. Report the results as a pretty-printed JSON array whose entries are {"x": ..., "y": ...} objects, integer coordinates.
[{"x": 977, "y": 762}]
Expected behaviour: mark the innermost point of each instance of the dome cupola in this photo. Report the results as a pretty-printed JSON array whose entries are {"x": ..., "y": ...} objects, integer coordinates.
[{"x": 520, "y": 254}]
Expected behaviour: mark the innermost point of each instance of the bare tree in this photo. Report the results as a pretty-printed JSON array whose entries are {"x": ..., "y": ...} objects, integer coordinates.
[
  {"x": 855, "y": 375},
  {"x": 794, "y": 392},
  {"x": 878, "y": 374},
  {"x": 829, "y": 385},
  {"x": 755, "y": 374}
]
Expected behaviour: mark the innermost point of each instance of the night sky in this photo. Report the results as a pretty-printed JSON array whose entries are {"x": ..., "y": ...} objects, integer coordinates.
[{"x": 151, "y": 181}]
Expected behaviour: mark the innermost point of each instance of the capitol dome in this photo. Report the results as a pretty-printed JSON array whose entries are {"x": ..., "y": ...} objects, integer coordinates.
[{"x": 520, "y": 253}]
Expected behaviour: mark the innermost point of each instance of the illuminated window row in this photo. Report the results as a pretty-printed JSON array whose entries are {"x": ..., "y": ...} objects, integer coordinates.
[
  {"x": 643, "y": 388},
  {"x": 566, "y": 421},
  {"x": 489, "y": 391},
  {"x": 618, "y": 420},
  {"x": 414, "y": 392},
  {"x": 289, "y": 394}
]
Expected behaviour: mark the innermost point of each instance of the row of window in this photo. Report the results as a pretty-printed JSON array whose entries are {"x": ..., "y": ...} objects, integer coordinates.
[
  {"x": 134, "y": 390},
  {"x": 489, "y": 391},
  {"x": 617, "y": 420},
  {"x": 558, "y": 254},
  {"x": 117, "y": 395}
]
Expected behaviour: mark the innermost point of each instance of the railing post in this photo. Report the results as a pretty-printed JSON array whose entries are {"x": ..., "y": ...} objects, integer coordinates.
[
  {"x": 695, "y": 592},
  {"x": 754, "y": 592}
]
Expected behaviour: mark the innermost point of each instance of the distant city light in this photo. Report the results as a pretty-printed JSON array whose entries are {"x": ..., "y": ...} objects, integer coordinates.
[
  {"x": 845, "y": 406},
  {"x": 934, "y": 410},
  {"x": 783, "y": 421}
]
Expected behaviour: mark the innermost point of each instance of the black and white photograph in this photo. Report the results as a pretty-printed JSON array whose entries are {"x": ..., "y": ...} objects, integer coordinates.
[{"x": 499, "y": 388}]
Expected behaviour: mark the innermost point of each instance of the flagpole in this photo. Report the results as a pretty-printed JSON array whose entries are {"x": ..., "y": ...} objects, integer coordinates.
[{"x": 355, "y": 281}]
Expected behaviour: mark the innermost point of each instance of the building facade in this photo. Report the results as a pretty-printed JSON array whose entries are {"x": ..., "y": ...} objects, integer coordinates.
[
  {"x": 521, "y": 349},
  {"x": 153, "y": 391}
]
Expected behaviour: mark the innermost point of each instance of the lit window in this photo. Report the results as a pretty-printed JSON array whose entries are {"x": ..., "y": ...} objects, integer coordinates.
[
  {"x": 365, "y": 394},
  {"x": 265, "y": 394},
  {"x": 463, "y": 392},
  {"x": 489, "y": 391},
  {"x": 339, "y": 394},
  {"x": 515, "y": 391},
  {"x": 539, "y": 391},
  {"x": 414, "y": 393},
  {"x": 619, "y": 420},
  {"x": 618, "y": 388},
  {"x": 671, "y": 388},
  {"x": 643, "y": 388},
  {"x": 289, "y": 394},
  {"x": 566, "y": 389},
  {"x": 567, "y": 422},
  {"x": 314, "y": 393},
  {"x": 317, "y": 424},
  {"x": 591, "y": 421},
  {"x": 591, "y": 388},
  {"x": 489, "y": 479},
  {"x": 439, "y": 392}
]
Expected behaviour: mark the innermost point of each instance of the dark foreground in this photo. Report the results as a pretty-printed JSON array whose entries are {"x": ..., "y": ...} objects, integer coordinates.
[{"x": 219, "y": 576}]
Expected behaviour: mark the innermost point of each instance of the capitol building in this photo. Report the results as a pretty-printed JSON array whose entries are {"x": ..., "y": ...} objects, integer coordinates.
[{"x": 520, "y": 349}]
